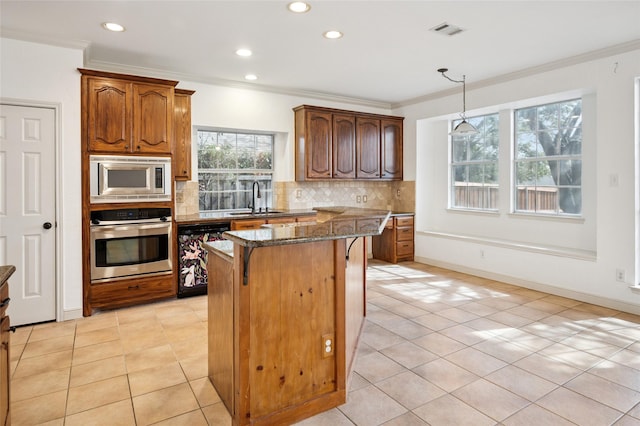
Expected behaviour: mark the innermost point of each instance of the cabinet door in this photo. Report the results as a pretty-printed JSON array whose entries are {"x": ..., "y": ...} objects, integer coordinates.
[
  {"x": 108, "y": 115},
  {"x": 182, "y": 128},
  {"x": 344, "y": 146},
  {"x": 152, "y": 119},
  {"x": 368, "y": 148},
  {"x": 318, "y": 144},
  {"x": 5, "y": 366},
  {"x": 391, "y": 148}
]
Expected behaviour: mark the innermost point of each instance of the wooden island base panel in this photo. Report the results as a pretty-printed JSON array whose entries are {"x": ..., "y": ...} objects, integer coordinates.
[{"x": 286, "y": 308}]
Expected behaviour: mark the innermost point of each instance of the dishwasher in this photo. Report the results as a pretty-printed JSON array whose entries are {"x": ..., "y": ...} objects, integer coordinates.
[{"x": 192, "y": 256}]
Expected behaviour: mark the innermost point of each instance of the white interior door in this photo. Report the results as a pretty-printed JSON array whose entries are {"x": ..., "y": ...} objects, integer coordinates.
[{"x": 27, "y": 210}]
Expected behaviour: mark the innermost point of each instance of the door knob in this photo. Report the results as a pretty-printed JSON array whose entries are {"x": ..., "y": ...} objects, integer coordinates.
[{"x": 46, "y": 225}]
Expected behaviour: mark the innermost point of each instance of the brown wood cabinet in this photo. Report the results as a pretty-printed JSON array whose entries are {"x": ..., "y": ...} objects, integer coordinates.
[
  {"x": 182, "y": 129},
  {"x": 396, "y": 243},
  {"x": 116, "y": 294},
  {"x": 5, "y": 358},
  {"x": 126, "y": 114},
  {"x": 339, "y": 144},
  {"x": 244, "y": 224}
]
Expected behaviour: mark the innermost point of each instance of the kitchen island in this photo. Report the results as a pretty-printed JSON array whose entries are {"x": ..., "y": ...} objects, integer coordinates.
[{"x": 286, "y": 308}]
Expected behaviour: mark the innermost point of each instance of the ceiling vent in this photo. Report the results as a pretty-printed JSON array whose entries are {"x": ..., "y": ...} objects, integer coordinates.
[{"x": 446, "y": 29}]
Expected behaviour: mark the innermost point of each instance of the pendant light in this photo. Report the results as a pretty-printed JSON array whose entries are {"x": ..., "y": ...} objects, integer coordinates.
[{"x": 464, "y": 127}]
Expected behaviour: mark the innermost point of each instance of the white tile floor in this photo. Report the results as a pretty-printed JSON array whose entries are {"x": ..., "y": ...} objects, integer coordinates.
[{"x": 438, "y": 348}]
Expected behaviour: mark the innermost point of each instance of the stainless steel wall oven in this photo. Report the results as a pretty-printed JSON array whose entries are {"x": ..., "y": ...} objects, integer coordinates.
[{"x": 127, "y": 243}]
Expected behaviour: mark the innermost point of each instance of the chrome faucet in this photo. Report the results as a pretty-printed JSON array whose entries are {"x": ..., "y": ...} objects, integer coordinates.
[{"x": 254, "y": 196}]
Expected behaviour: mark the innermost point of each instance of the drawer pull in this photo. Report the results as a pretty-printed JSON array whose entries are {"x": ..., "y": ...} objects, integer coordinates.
[
  {"x": 5, "y": 302},
  {"x": 133, "y": 287}
]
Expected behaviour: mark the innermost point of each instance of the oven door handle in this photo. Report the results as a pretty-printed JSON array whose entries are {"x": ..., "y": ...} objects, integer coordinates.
[{"x": 138, "y": 229}]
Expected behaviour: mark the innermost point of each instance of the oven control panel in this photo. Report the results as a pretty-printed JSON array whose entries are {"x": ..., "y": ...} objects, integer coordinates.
[{"x": 128, "y": 215}]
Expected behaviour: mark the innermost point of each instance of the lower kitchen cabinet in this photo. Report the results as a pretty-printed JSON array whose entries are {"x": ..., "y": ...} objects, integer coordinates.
[
  {"x": 129, "y": 292},
  {"x": 5, "y": 363},
  {"x": 395, "y": 244}
]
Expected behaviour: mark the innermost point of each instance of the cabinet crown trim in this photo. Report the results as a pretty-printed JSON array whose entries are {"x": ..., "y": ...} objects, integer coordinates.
[{"x": 130, "y": 77}]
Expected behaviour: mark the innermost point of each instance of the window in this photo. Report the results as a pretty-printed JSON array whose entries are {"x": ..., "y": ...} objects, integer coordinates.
[
  {"x": 474, "y": 165},
  {"x": 548, "y": 158},
  {"x": 228, "y": 164}
]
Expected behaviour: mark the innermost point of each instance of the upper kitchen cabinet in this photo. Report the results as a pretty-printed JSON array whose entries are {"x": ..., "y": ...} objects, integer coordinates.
[
  {"x": 339, "y": 144},
  {"x": 127, "y": 114},
  {"x": 182, "y": 129}
]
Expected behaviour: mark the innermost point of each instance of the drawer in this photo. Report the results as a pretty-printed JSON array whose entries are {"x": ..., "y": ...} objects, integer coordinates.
[
  {"x": 238, "y": 225},
  {"x": 404, "y": 248},
  {"x": 404, "y": 221},
  {"x": 128, "y": 292},
  {"x": 404, "y": 234}
]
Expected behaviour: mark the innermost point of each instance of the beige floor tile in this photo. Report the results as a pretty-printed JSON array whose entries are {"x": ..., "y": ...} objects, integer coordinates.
[
  {"x": 534, "y": 415},
  {"x": 152, "y": 379},
  {"x": 97, "y": 352},
  {"x": 48, "y": 346},
  {"x": 490, "y": 399},
  {"x": 217, "y": 415},
  {"x": 15, "y": 351},
  {"x": 406, "y": 328},
  {"x": 407, "y": 419},
  {"x": 378, "y": 337},
  {"x": 521, "y": 382},
  {"x": 376, "y": 367},
  {"x": 445, "y": 374},
  {"x": 618, "y": 373},
  {"x": 628, "y": 421},
  {"x": 54, "y": 422},
  {"x": 408, "y": 354},
  {"x": 189, "y": 348},
  {"x": 170, "y": 310},
  {"x": 143, "y": 339},
  {"x": 39, "y": 384},
  {"x": 115, "y": 414},
  {"x": 204, "y": 391},
  {"x": 476, "y": 361},
  {"x": 100, "y": 335},
  {"x": 52, "y": 329},
  {"x": 369, "y": 406},
  {"x": 149, "y": 358},
  {"x": 332, "y": 417},
  {"x": 177, "y": 333},
  {"x": 43, "y": 363},
  {"x": 192, "y": 418},
  {"x": 577, "y": 408},
  {"x": 464, "y": 334},
  {"x": 96, "y": 394},
  {"x": 448, "y": 410},
  {"x": 612, "y": 394},
  {"x": 577, "y": 358},
  {"x": 97, "y": 321},
  {"x": 187, "y": 318},
  {"x": 195, "y": 367},
  {"x": 82, "y": 374},
  {"x": 410, "y": 390},
  {"x": 163, "y": 404},
  {"x": 21, "y": 335},
  {"x": 503, "y": 350},
  {"x": 439, "y": 344},
  {"x": 49, "y": 407},
  {"x": 135, "y": 315},
  {"x": 554, "y": 371}
]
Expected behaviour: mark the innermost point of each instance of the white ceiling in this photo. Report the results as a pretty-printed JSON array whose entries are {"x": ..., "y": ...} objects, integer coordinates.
[{"x": 388, "y": 54}]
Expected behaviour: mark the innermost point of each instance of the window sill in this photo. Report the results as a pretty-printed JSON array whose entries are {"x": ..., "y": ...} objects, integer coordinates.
[
  {"x": 554, "y": 218},
  {"x": 587, "y": 255},
  {"x": 473, "y": 211}
]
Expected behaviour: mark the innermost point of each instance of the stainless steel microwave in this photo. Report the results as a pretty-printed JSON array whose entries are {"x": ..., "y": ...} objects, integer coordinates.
[{"x": 121, "y": 179}]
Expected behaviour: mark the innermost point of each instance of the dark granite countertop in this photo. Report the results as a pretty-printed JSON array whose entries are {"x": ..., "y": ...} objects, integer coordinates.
[
  {"x": 228, "y": 216},
  {"x": 332, "y": 223},
  {"x": 5, "y": 272}
]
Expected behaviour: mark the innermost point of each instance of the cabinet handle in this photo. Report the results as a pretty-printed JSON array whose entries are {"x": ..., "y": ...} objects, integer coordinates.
[
  {"x": 12, "y": 329},
  {"x": 133, "y": 287},
  {"x": 5, "y": 302}
]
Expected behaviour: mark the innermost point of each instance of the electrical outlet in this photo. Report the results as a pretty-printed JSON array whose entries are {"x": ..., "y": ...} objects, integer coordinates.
[
  {"x": 358, "y": 198},
  {"x": 398, "y": 193},
  {"x": 327, "y": 345},
  {"x": 620, "y": 275},
  {"x": 364, "y": 198},
  {"x": 298, "y": 193}
]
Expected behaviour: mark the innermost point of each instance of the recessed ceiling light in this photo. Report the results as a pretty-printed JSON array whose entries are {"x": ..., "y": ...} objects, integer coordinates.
[
  {"x": 250, "y": 77},
  {"x": 112, "y": 26},
  {"x": 299, "y": 7},
  {"x": 332, "y": 34},
  {"x": 244, "y": 52}
]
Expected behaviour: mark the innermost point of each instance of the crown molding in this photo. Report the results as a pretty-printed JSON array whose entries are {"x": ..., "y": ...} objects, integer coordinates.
[
  {"x": 44, "y": 39},
  {"x": 528, "y": 72}
]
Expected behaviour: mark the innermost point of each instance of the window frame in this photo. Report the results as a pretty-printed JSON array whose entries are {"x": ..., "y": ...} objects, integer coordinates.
[
  {"x": 567, "y": 158},
  {"x": 241, "y": 186}
]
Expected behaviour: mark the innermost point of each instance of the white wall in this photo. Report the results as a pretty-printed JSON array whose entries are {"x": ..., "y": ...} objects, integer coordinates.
[
  {"x": 31, "y": 72},
  {"x": 576, "y": 258}
]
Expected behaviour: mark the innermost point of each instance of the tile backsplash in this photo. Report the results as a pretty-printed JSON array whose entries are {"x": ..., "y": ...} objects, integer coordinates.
[{"x": 393, "y": 195}]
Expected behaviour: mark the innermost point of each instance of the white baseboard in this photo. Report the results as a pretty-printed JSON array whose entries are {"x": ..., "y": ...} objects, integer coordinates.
[
  {"x": 71, "y": 314},
  {"x": 558, "y": 291}
]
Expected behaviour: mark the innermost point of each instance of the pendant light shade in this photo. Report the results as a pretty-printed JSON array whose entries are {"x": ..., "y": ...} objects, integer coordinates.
[{"x": 464, "y": 128}]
